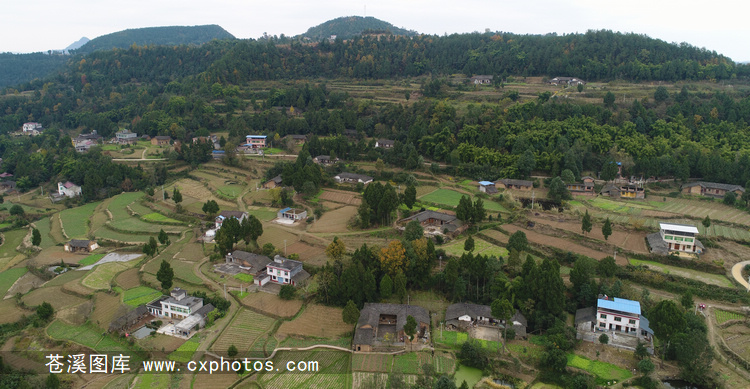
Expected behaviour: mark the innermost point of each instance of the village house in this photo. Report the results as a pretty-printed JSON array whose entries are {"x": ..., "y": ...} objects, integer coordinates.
[
  {"x": 248, "y": 263},
  {"x": 509, "y": 183},
  {"x": 675, "y": 238},
  {"x": 8, "y": 186},
  {"x": 462, "y": 316},
  {"x": 128, "y": 320},
  {"x": 273, "y": 183},
  {"x": 352, "y": 178},
  {"x": 292, "y": 214},
  {"x": 83, "y": 142},
  {"x": 160, "y": 140},
  {"x": 382, "y": 325},
  {"x": 711, "y": 189},
  {"x": 80, "y": 246},
  {"x": 627, "y": 191},
  {"x": 298, "y": 139},
  {"x": 584, "y": 188},
  {"x": 487, "y": 187},
  {"x": 125, "y": 137},
  {"x": 68, "y": 189},
  {"x": 32, "y": 128},
  {"x": 256, "y": 141},
  {"x": 572, "y": 81},
  {"x": 613, "y": 315},
  {"x": 325, "y": 160},
  {"x": 482, "y": 80},
  {"x": 189, "y": 310},
  {"x": 436, "y": 223},
  {"x": 284, "y": 271},
  {"x": 351, "y": 134},
  {"x": 224, "y": 215},
  {"x": 385, "y": 143}
]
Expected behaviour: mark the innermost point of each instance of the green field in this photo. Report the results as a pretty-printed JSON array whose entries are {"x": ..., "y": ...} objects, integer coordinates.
[
  {"x": 713, "y": 279},
  {"x": 91, "y": 259},
  {"x": 44, "y": 228},
  {"x": 139, "y": 295},
  {"x": 104, "y": 274},
  {"x": 159, "y": 218},
  {"x": 89, "y": 336},
  {"x": 263, "y": 214},
  {"x": 8, "y": 277},
  {"x": 605, "y": 372},
  {"x": 724, "y": 316},
  {"x": 184, "y": 271},
  {"x": 244, "y": 277},
  {"x": 185, "y": 352},
  {"x": 231, "y": 190},
  {"x": 151, "y": 380},
  {"x": 443, "y": 196},
  {"x": 76, "y": 220},
  {"x": 13, "y": 238},
  {"x": 123, "y": 220},
  {"x": 480, "y": 247}
]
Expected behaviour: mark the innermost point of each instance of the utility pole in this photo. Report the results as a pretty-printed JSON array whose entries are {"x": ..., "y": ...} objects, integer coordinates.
[
  {"x": 225, "y": 291},
  {"x": 533, "y": 196},
  {"x": 163, "y": 196},
  {"x": 285, "y": 247}
]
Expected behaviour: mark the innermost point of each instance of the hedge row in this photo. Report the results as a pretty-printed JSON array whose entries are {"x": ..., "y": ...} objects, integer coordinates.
[
  {"x": 679, "y": 285},
  {"x": 705, "y": 267}
]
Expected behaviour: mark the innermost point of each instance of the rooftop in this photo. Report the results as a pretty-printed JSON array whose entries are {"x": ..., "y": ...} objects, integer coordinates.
[
  {"x": 284, "y": 263},
  {"x": 486, "y": 183},
  {"x": 678, "y": 227},
  {"x": 426, "y": 215},
  {"x": 622, "y": 305},
  {"x": 79, "y": 243},
  {"x": 256, "y": 136}
]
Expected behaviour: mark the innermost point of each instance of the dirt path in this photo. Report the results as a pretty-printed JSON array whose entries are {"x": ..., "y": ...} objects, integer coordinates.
[
  {"x": 213, "y": 332},
  {"x": 737, "y": 273}
]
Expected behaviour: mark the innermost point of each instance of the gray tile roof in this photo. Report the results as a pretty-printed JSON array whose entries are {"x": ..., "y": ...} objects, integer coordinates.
[
  {"x": 715, "y": 185},
  {"x": 426, "y": 215},
  {"x": 284, "y": 263},
  {"x": 474, "y": 310},
  {"x": 584, "y": 315},
  {"x": 658, "y": 245},
  {"x": 79, "y": 243},
  {"x": 255, "y": 261},
  {"x": 370, "y": 314},
  {"x": 510, "y": 181}
]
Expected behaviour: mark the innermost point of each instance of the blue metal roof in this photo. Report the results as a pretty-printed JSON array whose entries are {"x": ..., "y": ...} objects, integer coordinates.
[
  {"x": 622, "y": 305},
  {"x": 485, "y": 183},
  {"x": 285, "y": 209},
  {"x": 256, "y": 136}
]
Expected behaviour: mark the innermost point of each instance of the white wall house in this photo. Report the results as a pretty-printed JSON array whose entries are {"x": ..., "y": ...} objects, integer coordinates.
[
  {"x": 680, "y": 237},
  {"x": 68, "y": 189},
  {"x": 616, "y": 314}
]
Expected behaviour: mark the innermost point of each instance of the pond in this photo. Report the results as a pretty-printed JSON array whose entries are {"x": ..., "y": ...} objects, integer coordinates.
[{"x": 471, "y": 375}]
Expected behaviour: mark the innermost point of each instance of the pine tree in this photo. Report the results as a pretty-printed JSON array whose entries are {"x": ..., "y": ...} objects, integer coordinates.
[
  {"x": 410, "y": 196},
  {"x": 36, "y": 237},
  {"x": 586, "y": 223},
  {"x": 399, "y": 286},
  {"x": 350, "y": 315},
  {"x": 165, "y": 275},
  {"x": 386, "y": 287},
  {"x": 607, "y": 229}
]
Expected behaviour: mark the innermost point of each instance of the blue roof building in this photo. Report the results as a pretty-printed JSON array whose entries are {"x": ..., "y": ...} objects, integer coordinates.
[{"x": 619, "y": 315}]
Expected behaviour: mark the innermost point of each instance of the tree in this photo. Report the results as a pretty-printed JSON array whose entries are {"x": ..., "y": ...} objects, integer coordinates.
[
  {"x": 413, "y": 231},
  {"x": 503, "y": 309},
  {"x": 386, "y": 287},
  {"x": 567, "y": 176},
  {"x": 52, "y": 382},
  {"x": 148, "y": 250},
  {"x": 287, "y": 292},
  {"x": 641, "y": 351},
  {"x": 706, "y": 223},
  {"x": 36, "y": 237},
  {"x": 399, "y": 286},
  {"x": 609, "y": 170},
  {"x": 558, "y": 191},
  {"x": 661, "y": 94},
  {"x": 609, "y": 100},
  {"x": 163, "y": 237},
  {"x": 252, "y": 229},
  {"x": 17, "y": 210},
  {"x": 153, "y": 244},
  {"x": 586, "y": 223},
  {"x": 645, "y": 366},
  {"x": 580, "y": 88},
  {"x": 336, "y": 249},
  {"x": 478, "y": 213},
  {"x": 555, "y": 360},
  {"x": 687, "y": 300},
  {"x": 410, "y": 327},
  {"x": 45, "y": 311},
  {"x": 464, "y": 209},
  {"x": 606, "y": 267},
  {"x": 210, "y": 208},
  {"x": 604, "y": 339},
  {"x": 165, "y": 275},
  {"x": 469, "y": 244},
  {"x": 410, "y": 196},
  {"x": 607, "y": 229},
  {"x": 393, "y": 258},
  {"x": 730, "y": 199},
  {"x": 694, "y": 356},
  {"x": 666, "y": 320},
  {"x": 526, "y": 163},
  {"x": 176, "y": 195},
  {"x": 232, "y": 351},
  {"x": 350, "y": 315},
  {"x": 518, "y": 242}
]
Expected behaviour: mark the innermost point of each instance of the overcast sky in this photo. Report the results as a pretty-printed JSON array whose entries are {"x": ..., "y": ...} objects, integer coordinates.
[{"x": 720, "y": 25}]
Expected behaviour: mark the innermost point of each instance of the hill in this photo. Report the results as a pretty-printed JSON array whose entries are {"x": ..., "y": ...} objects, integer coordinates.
[
  {"x": 77, "y": 44},
  {"x": 349, "y": 26},
  {"x": 168, "y": 36},
  {"x": 19, "y": 68}
]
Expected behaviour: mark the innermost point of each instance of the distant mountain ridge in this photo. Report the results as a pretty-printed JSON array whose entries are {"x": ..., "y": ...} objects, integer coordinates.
[
  {"x": 77, "y": 44},
  {"x": 167, "y": 36},
  {"x": 349, "y": 26}
]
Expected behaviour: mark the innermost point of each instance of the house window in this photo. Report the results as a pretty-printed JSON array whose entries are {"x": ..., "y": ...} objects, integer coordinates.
[
  {"x": 632, "y": 321},
  {"x": 602, "y": 316},
  {"x": 602, "y": 325},
  {"x": 618, "y": 319}
]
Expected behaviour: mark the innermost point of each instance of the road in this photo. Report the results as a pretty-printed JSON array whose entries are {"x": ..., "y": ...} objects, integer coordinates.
[{"x": 737, "y": 273}]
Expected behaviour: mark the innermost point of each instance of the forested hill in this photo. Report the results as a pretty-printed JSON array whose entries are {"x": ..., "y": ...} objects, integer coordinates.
[
  {"x": 167, "y": 36},
  {"x": 20, "y": 68},
  {"x": 348, "y": 26},
  {"x": 593, "y": 56}
]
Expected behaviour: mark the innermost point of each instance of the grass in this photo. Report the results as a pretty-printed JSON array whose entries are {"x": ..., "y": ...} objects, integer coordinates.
[
  {"x": 159, "y": 218},
  {"x": 91, "y": 337},
  {"x": 12, "y": 239},
  {"x": 480, "y": 247},
  {"x": 244, "y": 277},
  {"x": 76, "y": 220},
  {"x": 104, "y": 274},
  {"x": 231, "y": 190},
  {"x": 724, "y": 316},
  {"x": 139, "y": 295},
  {"x": 91, "y": 259},
  {"x": 605, "y": 372},
  {"x": 43, "y": 226},
  {"x": 444, "y": 196},
  {"x": 185, "y": 352},
  {"x": 714, "y": 279},
  {"x": 9, "y": 277}
]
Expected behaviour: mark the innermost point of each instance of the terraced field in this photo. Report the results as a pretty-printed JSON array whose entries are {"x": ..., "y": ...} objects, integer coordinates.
[
  {"x": 316, "y": 320},
  {"x": 480, "y": 247},
  {"x": 75, "y": 220},
  {"x": 246, "y": 327},
  {"x": 713, "y": 279},
  {"x": 53, "y": 295}
]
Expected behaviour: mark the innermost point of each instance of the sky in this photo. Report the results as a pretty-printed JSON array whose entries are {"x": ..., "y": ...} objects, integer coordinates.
[{"x": 719, "y": 25}]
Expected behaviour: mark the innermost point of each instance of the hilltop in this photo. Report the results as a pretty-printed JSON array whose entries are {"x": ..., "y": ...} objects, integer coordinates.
[
  {"x": 349, "y": 26},
  {"x": 168, "y": 36}
]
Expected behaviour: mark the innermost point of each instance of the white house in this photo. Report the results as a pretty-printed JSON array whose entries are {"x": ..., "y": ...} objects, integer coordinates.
[
  {"x": 32, "y": 128},
  {"x": 286, "y": 271},
  {"x": 352, "y": 178},
  {"x": 680, "y": 237},
  {"x": 224, "y": 215},
  {"x": 178, "y": 305},
  {"x": 293, "y": 214},
  {"x": 68, "y": 189}
]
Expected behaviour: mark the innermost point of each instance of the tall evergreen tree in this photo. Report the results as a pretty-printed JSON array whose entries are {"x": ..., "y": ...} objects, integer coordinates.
[{"x": 586, "y": 223}]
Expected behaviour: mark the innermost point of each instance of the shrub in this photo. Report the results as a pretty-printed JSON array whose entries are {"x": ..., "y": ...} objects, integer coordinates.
[{"x": 287, "y": 292}]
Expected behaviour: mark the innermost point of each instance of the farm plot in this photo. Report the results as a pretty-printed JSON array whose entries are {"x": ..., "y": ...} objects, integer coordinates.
[
  {"x": 333, "y": 370},
  {"x": 24, "y": 284},
  {"x": 139, "y": 295},
  {"x": 334, "y": 221},
  {"x": 64, "y": 278},
  {"x": 246, "y": 327},
  {"x": 107, "y": 307},
  {"x": 91, "y": 259},
  {"x": 156, "y": 217},
  {"x": 633, "y": 241},
  {"x": 123, "y": 220},
  {"x": 44, "y": 229},
  {"x": 104, "y": 274},
  {"x": 262, "y": 213},
  {"x": 128, "y": 279},
  {"x": 151, "y": 380},
  {"x": 496, "y": 235},
  {"x": 700, "y": 209},
  {"x": 602, "y": 370},
  {"x": 194, "y": 195},
  {"x": 223, "y": 380},
  {"x": 11, "y": 240},
  {"x": 89, "y": 336},
  {"x": 372, "y": 362},
  {"x": 725, "y": 316},
  {"x": 53, "y": 255},
  {"x": 53, "y": 295},
  {"x": 8, "y": 277},
  {"x": 343, "y": 197},
  {"x": 713, "y": 279},
  {"x": 55, "y": 229},
  {"x": 480, "y": 247},
  {"x": 316, "y": 320},
  {"x": 309, "y": 254},
  {"x": 10, "y": 312},
  {"x": 546, "y": 240},
  {"x": 444, "y": 197},
  {"x": 75, "y": 220},
  {"x": 185, "y": 352},
  {"x": 276, "y": 236},
  {"x": 160, "y": 342},
  {"x": 272, "y": 304},
  {"x": 425, "y": 189}
]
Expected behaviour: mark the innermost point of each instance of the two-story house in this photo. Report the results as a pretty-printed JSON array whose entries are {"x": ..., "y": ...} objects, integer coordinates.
[
  {"x": 68, "y": 189},
  {"x": 32, "y": 128},
  {"x": 178, "y": 305},
  {"x": 125, "y": 137},
  {"x": 249, "y": 263},
  {"x": 256, "y": 141},
  {"x": 286, "y": 271},
  {"x": 224, "y": 215},
  {"x": 680, "y": 237},
  {"x": 582, "y": 188}
]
